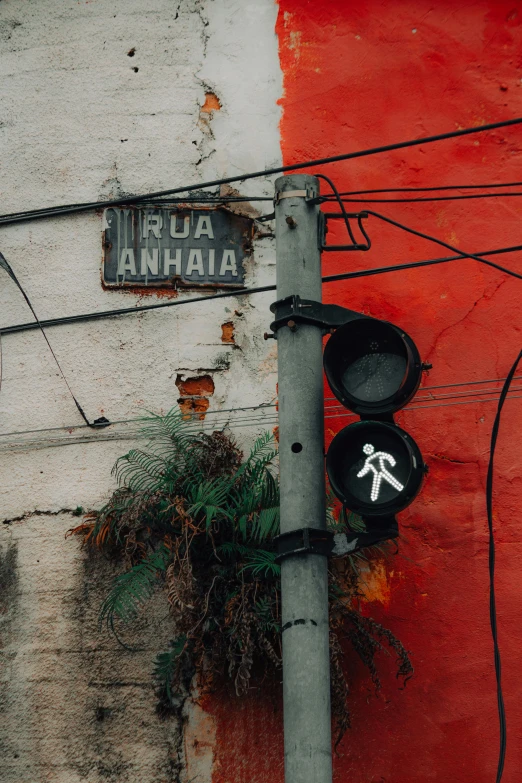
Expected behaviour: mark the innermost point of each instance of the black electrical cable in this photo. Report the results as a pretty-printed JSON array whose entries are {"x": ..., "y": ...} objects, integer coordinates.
[
  {"x": 461, "y": 254},
  {"x": 206, "y": 199},
  {"x": 70, "y": 319},
  {"x": 431, "y": 188},
  {"x": 5, "y": 265},
  {"x": 338, "y": 199},
  {"x": 70, "y": 209},
  {"x": 419, "y": 200},
  {"x": 492, "y": 601},
  {"x": 380, "y": 270}
]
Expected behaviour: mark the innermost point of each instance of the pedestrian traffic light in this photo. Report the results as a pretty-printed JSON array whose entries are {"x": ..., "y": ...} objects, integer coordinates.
[
  {"x": 374, "y": 368},
  {"x": 375, "y": 468}
]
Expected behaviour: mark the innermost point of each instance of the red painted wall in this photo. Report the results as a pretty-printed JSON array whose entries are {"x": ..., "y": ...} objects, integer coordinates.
[
  {"x": 363, "y": 74},
  {"x": 359, "y": 75}
]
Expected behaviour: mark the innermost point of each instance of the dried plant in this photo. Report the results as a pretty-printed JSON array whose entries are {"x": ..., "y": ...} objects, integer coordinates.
[{"x": 194, "y": 518}]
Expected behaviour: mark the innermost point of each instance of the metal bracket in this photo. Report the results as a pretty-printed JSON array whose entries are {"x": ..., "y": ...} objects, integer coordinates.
[
  {"x": 293, "y": 310},
  {"x": 378, "y": 530},
  {"x": 307, "y": 194},
  {"x": 306, "y": 540},
  {"x": 265, "y": 218},
  {"x": 323, "y": 230}
]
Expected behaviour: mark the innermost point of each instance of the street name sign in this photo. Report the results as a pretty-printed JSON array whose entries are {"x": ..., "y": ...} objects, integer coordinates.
[{"x": 170, "y": 247}]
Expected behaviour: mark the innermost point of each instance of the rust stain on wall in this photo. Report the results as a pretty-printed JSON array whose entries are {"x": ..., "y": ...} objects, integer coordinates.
[
  {"x": 199, "y": 742},
  {"x": 374, "y": 584},
  {"x": 146, "y": 290}
]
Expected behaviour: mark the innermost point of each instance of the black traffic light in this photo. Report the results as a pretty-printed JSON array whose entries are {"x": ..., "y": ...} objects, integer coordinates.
[
  {"x": 373, "y": 367},
  {"x": 375, "y": 468}
]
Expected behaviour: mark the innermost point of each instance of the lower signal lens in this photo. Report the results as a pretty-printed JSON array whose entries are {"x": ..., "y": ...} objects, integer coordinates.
[{"x": 375, "y": 468}]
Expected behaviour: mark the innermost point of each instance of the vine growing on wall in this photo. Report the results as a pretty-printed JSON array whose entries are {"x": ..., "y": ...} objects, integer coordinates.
[{"x": 196, "y": 519}]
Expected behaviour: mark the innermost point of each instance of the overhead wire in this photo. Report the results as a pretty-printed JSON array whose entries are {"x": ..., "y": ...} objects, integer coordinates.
[
  {"x": 218, "y": 419},
  {"x": 205, "y": 199},
  {"x": 5, "y": 265},
  {"x": 68, "y": 209},
  {"x": 425, "y": 407},
  {"x": 337, "y": 197},
  {"x": 381, "y": 270},
  {"x": 260, "y": 407},
  {"x": 418, "y": 189},
  {"x": 421, "y": 199},
  {"x": 454, "y": 396},
  {"x": 441, "y": 242},
  {"x": 451, "y": 385},
  {"x": 70, "y": 319},
  {"x": 242, "y": 422},
  {"x": 143, "y": 419},
  {"x": 492, "y": 597}
]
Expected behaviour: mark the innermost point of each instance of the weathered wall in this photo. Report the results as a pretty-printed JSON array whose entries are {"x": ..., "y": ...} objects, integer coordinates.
[{"x": 81, "y": 120}]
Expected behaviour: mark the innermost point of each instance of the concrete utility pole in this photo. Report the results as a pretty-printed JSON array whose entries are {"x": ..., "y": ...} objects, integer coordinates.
[{"x": 304, "y": 577}]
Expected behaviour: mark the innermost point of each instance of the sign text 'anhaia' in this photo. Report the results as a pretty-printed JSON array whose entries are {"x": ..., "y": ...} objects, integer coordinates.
[{"x": 159, "y": 246}]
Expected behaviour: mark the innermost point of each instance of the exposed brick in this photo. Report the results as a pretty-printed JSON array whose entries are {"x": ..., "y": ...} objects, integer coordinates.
[
  {"x": 190, "y": 405},
  {"x": 202, "y": 386},
  {"x": 227, "y": 333},
  {"x": 212, "y": 103}
]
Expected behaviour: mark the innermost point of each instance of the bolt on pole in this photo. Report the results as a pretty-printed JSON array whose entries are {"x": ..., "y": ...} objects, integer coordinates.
[{"x": 304, "y": 577}]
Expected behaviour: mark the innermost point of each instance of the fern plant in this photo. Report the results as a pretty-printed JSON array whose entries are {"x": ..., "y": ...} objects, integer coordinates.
[{"x": 192, "y": 517}]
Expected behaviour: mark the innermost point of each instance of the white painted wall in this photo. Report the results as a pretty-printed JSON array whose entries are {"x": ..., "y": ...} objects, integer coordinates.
[{"x": 77, "y": 123}]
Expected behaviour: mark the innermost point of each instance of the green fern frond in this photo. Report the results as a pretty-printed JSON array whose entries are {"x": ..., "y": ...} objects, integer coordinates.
[
  {"x": 263, "y": 448},
  {"x": 209, "y": 498},
  {"x": 261, "y": 455},
  {"x": 261, "y": 562},
  {"x": 353, "y": 521},
  {"x": 165, "y": 665},
  {"x": 229, "y": 548},
  {"x": 170, "y": 428},
  {"x": 263, "y": 609},
  {"x": 266, "y": 524},
  {"x": 140, "y": 470},
  {"x": 133, "y": 588}
]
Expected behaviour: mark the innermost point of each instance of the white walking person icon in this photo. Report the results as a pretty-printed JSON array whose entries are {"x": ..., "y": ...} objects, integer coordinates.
[{"x": 381, "y": 472}]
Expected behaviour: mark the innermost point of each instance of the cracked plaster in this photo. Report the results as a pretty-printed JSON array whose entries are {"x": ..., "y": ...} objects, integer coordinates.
[{"x": 81, "y": 120}]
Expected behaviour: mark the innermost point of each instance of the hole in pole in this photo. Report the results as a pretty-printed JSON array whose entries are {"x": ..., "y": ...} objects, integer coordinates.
[{"x": 296, "y": 447}]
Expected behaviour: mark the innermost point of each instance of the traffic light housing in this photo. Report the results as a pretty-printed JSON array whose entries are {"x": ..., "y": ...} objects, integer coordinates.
[
  {"x": 374, "y": 369},
  {"x": 398, "y": 464},
  {"x": 375, "y": 468},
  {"x": 372, "y": 366}
]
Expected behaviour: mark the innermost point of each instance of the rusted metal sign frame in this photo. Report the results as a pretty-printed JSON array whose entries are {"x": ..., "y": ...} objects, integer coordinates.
[{"x": 141, "y": 243}]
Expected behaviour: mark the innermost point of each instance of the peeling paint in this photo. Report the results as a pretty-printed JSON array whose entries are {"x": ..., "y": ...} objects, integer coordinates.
[
  {"x": 199, "y": 742},
  {"x": 227, "y": 333},
  {"x": 211, "y": 104},
  {"x": 194, "y": 393},
  {"x": 374, "y": 584},
  {"x": 76, "y": 705},
  {"x": 201, "y": 386}
]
